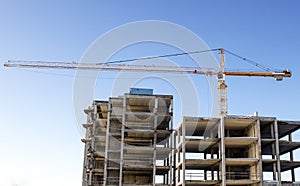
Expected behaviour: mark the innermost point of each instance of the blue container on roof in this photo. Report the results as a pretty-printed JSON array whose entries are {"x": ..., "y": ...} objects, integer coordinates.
[{"x": 142, "y": 91}]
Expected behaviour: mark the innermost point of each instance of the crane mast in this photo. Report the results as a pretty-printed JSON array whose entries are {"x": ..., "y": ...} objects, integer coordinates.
[
  {"x": 222, "y": 87},
  {"x": 221, "y": 73}
]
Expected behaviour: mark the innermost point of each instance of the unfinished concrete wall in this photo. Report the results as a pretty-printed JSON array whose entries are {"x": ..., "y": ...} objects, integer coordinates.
[{"x": 93, "y": 168}]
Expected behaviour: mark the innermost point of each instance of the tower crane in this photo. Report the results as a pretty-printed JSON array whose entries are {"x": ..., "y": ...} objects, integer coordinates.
[{"x": 221, "y": 73}]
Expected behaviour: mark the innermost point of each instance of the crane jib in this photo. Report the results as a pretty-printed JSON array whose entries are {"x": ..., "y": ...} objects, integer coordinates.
[{"x": 221, "y": 73}]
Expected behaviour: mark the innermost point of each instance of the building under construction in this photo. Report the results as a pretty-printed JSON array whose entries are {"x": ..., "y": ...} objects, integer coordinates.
[{"x": 130, "y": 140}]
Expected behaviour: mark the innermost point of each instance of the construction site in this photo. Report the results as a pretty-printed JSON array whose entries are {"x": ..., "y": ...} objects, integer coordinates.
[
  {"x": 130, "y": 140},
  {"x": 150, "y": 93}
]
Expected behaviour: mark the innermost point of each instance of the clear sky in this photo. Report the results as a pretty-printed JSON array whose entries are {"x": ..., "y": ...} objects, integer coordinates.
[{"x": 40, "y": 142}]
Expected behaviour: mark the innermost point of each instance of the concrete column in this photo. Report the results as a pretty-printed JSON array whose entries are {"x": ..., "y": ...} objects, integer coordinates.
[
  {"x": 273, "y": 151},
  {"x": 277, "y": 152},
  {"x": 170, "y": 143},
  {"x": 259, "y": 166},
  {"x": 122, "y": 141},
  {"x": 205, "y": 170},
  {"x": 90, "y": 178},
  {"x": 219, "y": 156},
  {"x": 179, "y": 148},
  {"x": 223, "y": 157},
  {"x": 183, "y": 153},
  {"x": 154, "y": 140},
  {"x": 212, "y": 170},
  {"x": 91, "y": 166},
  {"x": 174, "y": 156},
  {"x": 106, "y": 160},
  {"x": 94, "y": 126},
  {"x": 170, "y": 161},
  {"x": 292, "y": 159}
]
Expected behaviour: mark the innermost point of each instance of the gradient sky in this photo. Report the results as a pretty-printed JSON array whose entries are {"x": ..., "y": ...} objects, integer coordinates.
[{"x": 40, "y": 142}]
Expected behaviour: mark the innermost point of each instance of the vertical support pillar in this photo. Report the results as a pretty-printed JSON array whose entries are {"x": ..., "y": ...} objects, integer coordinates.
[
  {"x": 179, "y": 149},
  {"x": 171, "y": 139},
  {"x": 84, "y": 179},
  {"x": 154, "y": 140},
  {"x": 292, "y": 159},
  {"x": 277, "y": 152},
  {"x": 107, "y": 137},
  {"x": 91, "y": 163},
  {"x": 170, "y": 159},
  {"x": 219, "y": 154},
  {"x": 259, "y": 172},
  {"x": 223, "y": 157},
  {"x": 212, "y": 169},
  {"x": 154, "y": 158},
  {"x": 90, "y": 178},
  {"x": 122, "y": 141},
  {"x": 174, "y": 156},
  {"x": 205, "y": 170},
  {"x": 183, "y": 152},
  {"x": 94, "y": 126},
  {"x": 273, "y": 150}
]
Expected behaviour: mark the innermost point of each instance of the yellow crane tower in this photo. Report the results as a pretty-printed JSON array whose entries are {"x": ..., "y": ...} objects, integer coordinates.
[{"x": 221, "y": 73}]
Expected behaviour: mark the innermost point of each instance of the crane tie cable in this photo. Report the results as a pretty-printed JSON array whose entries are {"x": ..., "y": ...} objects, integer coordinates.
[
  {"x": 160, "y": 56},
  {"x": 263, "y": 67}
]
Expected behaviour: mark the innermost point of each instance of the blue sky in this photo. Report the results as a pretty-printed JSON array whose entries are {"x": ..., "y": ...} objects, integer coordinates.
[{"x": 40, "y": 142}]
